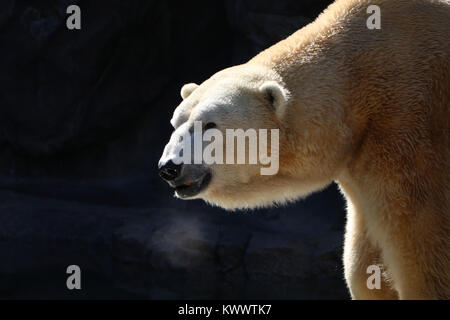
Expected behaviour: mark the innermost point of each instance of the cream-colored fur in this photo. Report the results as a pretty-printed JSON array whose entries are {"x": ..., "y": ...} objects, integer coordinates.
[{"x": 369, "y": 109}]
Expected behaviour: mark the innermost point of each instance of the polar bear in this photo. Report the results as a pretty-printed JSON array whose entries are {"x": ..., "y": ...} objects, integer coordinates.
[{"x": 369, "y": 109}]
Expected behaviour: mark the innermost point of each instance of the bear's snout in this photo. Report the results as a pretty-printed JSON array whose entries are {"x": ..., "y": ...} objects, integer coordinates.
[
  {"x": 187, "y": 180},
  {"x": 169, "y": 171}
]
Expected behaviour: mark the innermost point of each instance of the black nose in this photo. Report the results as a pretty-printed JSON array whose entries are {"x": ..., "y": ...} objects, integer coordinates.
[{"x": 170, "y": 171}]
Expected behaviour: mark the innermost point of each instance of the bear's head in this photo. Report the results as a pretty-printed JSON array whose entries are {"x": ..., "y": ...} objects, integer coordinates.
[{"x": 236, "y": 144}]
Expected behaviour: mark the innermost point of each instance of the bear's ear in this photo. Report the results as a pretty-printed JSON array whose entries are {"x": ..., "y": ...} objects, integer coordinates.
[
  {"x": 187, "y": 89},
  {"x": 276, "y": 95}
]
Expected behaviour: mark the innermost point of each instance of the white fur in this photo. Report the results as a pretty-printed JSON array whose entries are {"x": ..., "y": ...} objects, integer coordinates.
[
  {"x": 187, "y": 90},
  {"x": 278, "y": 94}
]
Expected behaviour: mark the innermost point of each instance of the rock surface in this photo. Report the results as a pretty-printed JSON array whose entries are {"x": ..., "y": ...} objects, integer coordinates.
[{"x": 165, "y": 253}]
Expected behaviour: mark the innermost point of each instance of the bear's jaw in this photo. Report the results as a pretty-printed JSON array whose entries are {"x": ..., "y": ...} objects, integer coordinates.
[{"x": 192, "y": 188}]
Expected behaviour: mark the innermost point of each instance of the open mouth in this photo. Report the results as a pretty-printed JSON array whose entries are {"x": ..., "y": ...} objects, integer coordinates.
[{"x": 191, "y": 188}]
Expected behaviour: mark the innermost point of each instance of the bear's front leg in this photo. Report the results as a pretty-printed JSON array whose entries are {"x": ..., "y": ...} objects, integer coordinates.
[
  {"x": 359, "y": 254},
  {"x": 418, "y": 256}
]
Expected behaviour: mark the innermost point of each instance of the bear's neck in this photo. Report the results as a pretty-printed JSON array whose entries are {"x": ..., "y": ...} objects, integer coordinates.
[
  {"x": 397, "y": 140},
  {"x": 315, "y": 63},
  {"x": 320, "y": 51}
]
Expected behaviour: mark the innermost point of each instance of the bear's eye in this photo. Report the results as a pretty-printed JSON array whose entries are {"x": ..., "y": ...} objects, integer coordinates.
[{"x": 210, "y": 125}]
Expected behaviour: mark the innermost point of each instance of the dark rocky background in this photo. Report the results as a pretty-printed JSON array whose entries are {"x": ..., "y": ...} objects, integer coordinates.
[{"x": 84, "y": 116}]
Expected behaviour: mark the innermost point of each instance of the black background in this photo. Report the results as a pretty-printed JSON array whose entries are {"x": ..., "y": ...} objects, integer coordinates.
[{"x": 84, "y": 117}]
